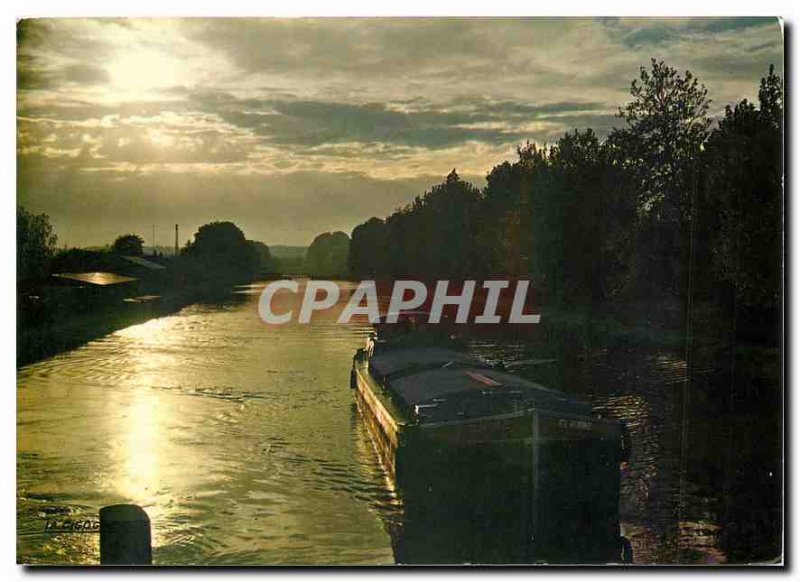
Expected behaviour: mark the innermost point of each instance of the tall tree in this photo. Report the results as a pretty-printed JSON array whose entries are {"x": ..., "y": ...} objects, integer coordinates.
[
  {"x": 666, "y": 124},
  {"x": 327, "y": 254},
  {"x": 220, "y": 253},
  {"x": 262, "y": 257},
  {"x": 128, "y": 244},
  {"x": 593, "y": 212},
  {"x": 367, "y": 257},
  {"x": 504, "y": 228},
  {"x": 36, "y": 244},
  {"x": 744, "y": 181},
  {"x": 444, "y": 227},
  {"x": 667, "y": 121}
]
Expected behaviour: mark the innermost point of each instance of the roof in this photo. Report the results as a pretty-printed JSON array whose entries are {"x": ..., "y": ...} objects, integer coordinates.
[
  {"x": 422, "y": 386},
  {"x": 397, "y": 361},
  {"x": 421, "y": 375},
  {"x": 96, "y": 278},
  {"x": 143, "y": 262}
]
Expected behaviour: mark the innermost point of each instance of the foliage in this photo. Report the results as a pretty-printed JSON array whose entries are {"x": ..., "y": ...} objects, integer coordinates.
[
  {"x": 79, "y": 260},
  {"x": 744, "y": 181},
  {"x": 630, "y": 218},
  {"x": 435, "y": 235},
  {"x": 36, "y": 244},
  {"x": 667, "y": 121},
  {"x": 327, "y": 255},
  {"x": 218, "y": 239},
  {"x": 220, "y": 253},
  {"x": 264, "y": 263},
  {"x": 128, "y": 244},
  {"x": 368, "y": 248}
]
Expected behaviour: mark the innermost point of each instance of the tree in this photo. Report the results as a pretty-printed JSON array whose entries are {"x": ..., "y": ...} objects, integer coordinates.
[
  {"x": 218, "y": 239},
  {"x": 592, "y": 213},
  {"x": 667, "y": 122},
  {"x": 505, "y": 229},
  {"x": 262, "y": 257},
  {"x": 744, "y": 180},
  {"x": 221, "y": 253},
  {"x": 328, "y": 254},
  {"x": 440, "y": 231},
  {"x": 36, "y": 244},
  {"x": 560, "y": 215},
  {"x": 128, "y": 244},
  {"x": 435, "y": 236},
  {"x": 367, "y": 257}
]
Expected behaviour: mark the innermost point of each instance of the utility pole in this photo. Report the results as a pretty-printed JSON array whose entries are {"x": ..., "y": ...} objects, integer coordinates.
[{"x": 176, "y": 240}]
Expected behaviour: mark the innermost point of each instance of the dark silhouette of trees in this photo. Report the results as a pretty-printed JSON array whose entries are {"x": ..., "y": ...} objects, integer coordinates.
[
  {"x": 36, "y": 244},
  {"x": 128, "y": 244},
  {"x": 218, "y": 239},
  {"x": 220, "y": 254},
  {"x": 616, "y": 223},
  {"x": 439, "y": 235},
  {"x": 587, "y": 207},
  {"x": 743, "y": 179},
  {"x": 560, "y": 215},
  {"x": 368, "y": 249},
  {"x": 76, "y": 260},
  {"x": 434, "y": 236},
  {"x": 328, "y": 255},
  {"x": 666, "y": 123},
  {"x": 263, "y": 263}
]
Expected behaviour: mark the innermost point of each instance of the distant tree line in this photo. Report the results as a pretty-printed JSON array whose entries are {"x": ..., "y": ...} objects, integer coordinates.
[
  {"x": 128, "y": 244},
  {"x": 669, "y": 202},
  {"x": 219, "y": 253},
  {"x": 327, "y": 255}
]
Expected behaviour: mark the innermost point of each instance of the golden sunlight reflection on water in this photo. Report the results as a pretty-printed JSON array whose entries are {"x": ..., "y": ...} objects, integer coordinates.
[
  {"x": 236, "y": 438},
  {"x": 242, "y": 442}
]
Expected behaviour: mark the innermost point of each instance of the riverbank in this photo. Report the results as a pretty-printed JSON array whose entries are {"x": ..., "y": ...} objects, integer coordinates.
[{"x": 35, "y": 343}]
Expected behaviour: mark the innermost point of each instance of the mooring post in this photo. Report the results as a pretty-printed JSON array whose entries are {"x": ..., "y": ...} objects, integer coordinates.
[{"x": 124, "y": 535}]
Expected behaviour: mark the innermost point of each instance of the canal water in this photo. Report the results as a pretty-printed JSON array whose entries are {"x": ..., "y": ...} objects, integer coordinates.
[{"x": 243, "y": 444}]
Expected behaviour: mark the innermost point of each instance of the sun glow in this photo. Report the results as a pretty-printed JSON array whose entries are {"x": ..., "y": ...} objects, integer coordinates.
[
  {"x": 142, "y": 451},
  {"x": 160, "y": 138},
  {"x": 141, "y": 71}
]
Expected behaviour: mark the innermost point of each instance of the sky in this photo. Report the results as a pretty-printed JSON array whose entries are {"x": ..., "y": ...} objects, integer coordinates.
[{"x": 293, "y": 127}]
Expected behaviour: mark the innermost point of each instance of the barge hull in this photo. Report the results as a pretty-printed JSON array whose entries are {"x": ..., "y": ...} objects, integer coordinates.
[{"x": 523, "y": 487}]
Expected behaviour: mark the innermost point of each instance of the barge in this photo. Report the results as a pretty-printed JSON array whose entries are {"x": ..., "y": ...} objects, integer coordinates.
[{"x": 521, "y": 473}]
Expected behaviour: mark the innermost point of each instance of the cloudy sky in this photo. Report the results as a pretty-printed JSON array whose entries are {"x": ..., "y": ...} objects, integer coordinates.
[{"x": 295, "y": 127}]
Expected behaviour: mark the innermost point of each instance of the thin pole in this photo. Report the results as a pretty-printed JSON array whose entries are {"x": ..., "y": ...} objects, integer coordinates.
[{"x": 687, "y": 354}]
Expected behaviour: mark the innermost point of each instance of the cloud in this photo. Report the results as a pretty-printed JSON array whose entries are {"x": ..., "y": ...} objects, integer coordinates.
[
  {"x": 311, "y": 123},
  {"x": 281, "y": 123},
  {"x": 657, "y": 31},
  {"x": 85, "y": 73},
  {"x": 93, "y": 208}
]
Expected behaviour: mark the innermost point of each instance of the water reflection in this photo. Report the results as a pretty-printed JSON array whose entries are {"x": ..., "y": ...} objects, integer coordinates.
[
  {"x": 243, "y": 444},
  {"x": 722, "y": 503},
  {"x": 237, "y": 440}
]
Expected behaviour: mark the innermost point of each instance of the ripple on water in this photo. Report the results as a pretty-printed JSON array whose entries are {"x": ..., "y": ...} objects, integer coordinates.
[
  {"x": 243, "y": 443},
  {"x": 235, "y": 437}
]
